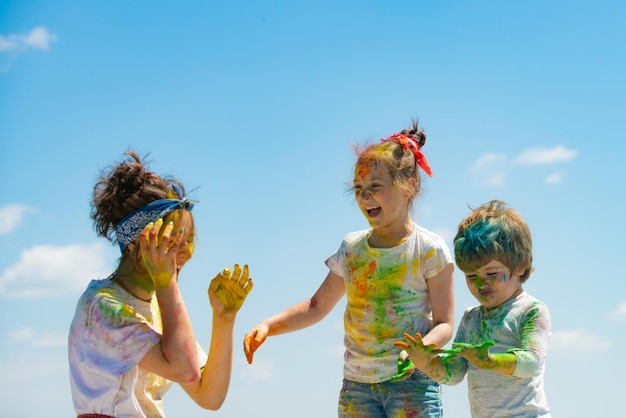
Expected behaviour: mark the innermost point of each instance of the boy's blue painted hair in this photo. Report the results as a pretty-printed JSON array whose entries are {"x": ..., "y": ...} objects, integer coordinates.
[{"x": 494, "y": 231}]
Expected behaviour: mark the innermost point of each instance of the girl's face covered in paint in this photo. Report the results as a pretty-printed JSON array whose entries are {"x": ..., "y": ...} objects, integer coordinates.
[
  {"x": 493, "y": 284},
  {"x": 381, "y": 203},
  {"x": 184, "y": 244}
]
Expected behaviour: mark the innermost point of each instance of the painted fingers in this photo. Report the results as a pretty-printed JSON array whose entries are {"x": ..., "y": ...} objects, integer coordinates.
[
  {"x": 154, "y": 242},
  {"x": 472, "y": 352},
  {"x": 231, "y": 290},
  {"x": 253, "y": 341}
]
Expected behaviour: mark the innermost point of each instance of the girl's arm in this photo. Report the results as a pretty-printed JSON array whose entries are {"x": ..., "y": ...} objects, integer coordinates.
[
  {"x": 299, "y": 316},
  {"x": 227, "y": 293},
  {"x": 210, "y": 391},
  {"x": 441, "y": 291},
  {"x": 175, "y": 357}
]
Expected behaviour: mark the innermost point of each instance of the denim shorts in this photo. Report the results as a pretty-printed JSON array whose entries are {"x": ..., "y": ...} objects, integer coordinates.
[{"x": 418, "y": 396}]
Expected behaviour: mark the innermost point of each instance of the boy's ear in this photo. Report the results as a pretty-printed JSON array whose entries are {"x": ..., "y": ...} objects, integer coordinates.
[{"x": 520, "y": 272}]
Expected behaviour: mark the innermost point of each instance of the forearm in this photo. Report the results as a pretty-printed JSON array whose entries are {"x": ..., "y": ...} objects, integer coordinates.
[
  {"x": 502, "y": 363},
  {"x": 178, "y": 342},
  {"x": 439, "y": 335},
  {"x": 297, "y": 317},
  {"x": 210, "y": 391}
]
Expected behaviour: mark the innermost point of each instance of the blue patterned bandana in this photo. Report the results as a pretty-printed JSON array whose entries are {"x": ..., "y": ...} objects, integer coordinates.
[{"x": 131, "y": 226}]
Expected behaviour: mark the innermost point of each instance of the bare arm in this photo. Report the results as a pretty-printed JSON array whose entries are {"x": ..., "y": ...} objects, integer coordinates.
[
  {"x": 227, "y": 293},
  {"x": 299, "y": 316},
  {"x": 441, "y": 291},
  {"x": 175, "y": 357}
]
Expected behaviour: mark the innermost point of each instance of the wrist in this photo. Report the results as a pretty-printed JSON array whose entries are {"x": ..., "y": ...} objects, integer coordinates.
[{"x": 224, "y": 315}]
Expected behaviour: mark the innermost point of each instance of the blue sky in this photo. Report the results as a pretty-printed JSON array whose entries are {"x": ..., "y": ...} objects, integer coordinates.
[{"x": 255, "y": 106}]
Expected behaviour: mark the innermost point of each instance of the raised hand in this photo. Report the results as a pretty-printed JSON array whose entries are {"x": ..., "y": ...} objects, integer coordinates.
[
  {"x": 227, "y": 291},
  {"x": 253, "y": 340},
  {"x": 158, "y": 260}
]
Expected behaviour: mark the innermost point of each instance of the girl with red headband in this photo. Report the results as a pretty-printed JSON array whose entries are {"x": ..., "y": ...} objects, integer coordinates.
[{"x": 396, "y": 276}]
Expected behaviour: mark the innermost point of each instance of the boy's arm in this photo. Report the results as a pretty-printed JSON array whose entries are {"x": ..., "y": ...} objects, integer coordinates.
[
  {"x": 479, "y": 356},
  {"x": 534, "y": 338},
  {"x": 521, "y": 361},
  {"x": 426, "y": 358}
]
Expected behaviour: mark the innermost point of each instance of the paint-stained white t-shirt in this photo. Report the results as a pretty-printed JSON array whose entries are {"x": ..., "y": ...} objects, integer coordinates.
[
  {"x": 387, "y": 295},
  {"x": 110, "y": 334},
  {"x": 520, "y": 326}
]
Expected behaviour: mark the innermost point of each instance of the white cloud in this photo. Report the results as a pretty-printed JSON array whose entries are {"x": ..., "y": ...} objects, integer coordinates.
[
  {"x": 496, "y": 180},
  {"x": 555, "y": 178},
  {"x": 37, "y": 38},
  {"x": 489, "y": 167},
  {"x": 619, "y": 314},
  {"x": 27, "y": 336},
  {"x": 536, "y": 156},
  {"x": 577, "y": 340},
  {"x": 45, "y": 271},
  {"x": 11, "y": 216},
  {"x": 488, "y": 159}
]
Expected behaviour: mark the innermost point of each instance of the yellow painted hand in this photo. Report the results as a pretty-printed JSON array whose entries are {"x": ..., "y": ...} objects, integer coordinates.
[
  {"x": 160, "y": 264},
  {"x": 227, "y": 291}
]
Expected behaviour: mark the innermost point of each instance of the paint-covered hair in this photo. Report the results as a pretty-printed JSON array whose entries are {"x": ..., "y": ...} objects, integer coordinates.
[
  {"x": 494, "y": 231},
  {"x": 125, "y": 187},
  {"x": 400, "y": 162}
]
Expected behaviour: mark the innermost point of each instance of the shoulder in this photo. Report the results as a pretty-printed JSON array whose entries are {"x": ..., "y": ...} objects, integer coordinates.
[
  {"x": 431, "y": 245},
  {"x": 355, "y": 237},
  {"x": 528, "y": 302},
  {"x": 429, "y": 238}
]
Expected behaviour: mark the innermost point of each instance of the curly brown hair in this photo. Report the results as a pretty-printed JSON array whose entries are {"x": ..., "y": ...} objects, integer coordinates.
[{"x": 125, "y": 187}]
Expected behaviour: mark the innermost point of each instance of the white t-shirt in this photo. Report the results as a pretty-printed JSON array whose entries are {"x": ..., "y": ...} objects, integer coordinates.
[
  {"x": 110, "y": 334},
  {"x": 520, "y": 326},
  {"x": 387, "y": 295}
]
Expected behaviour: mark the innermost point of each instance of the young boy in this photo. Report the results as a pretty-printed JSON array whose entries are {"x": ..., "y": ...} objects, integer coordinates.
[{"x": 501, "y": 344}]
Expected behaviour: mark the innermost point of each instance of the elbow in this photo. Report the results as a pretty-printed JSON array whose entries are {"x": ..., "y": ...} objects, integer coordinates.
[
  {"x": 193, "y": 376},
  {"x": 211, "y": 403},
  {"x": 186, "y": 375}
]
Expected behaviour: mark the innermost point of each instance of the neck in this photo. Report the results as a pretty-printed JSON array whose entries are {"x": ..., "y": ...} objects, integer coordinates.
[
  {"x": 391, "y": 236},
  {"x": 132, "y": 282}
]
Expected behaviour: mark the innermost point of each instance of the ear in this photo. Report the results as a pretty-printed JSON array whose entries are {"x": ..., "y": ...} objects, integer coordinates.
[{"x": 520, "y": 271}]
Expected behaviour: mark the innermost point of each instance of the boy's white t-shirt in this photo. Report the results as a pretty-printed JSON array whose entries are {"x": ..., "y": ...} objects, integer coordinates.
[{"x": 520, "y": 326}]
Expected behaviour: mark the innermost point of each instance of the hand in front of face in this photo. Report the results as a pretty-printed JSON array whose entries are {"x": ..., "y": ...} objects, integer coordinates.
[
  {"x": 477, "y": 354},
  {"x": 253, "y": 340},
  {"x": 419, "y": 353},
  {"x": 158, "y": 252},
  {"x": 227, "y": 291}
]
